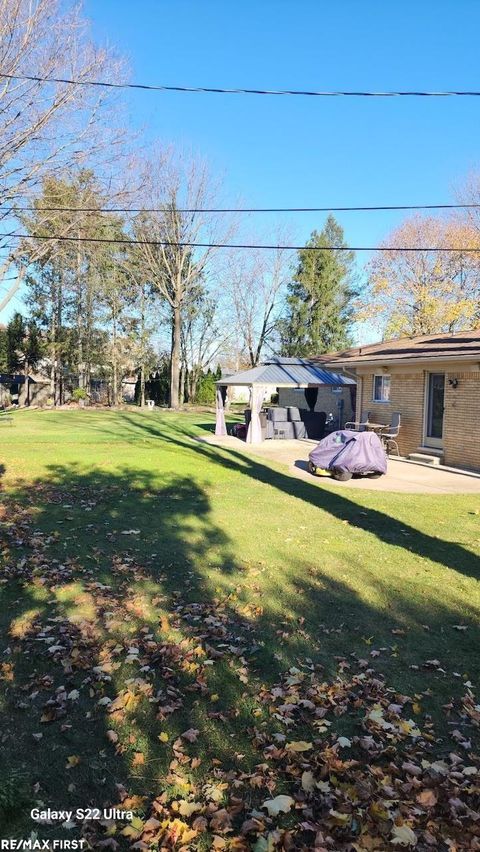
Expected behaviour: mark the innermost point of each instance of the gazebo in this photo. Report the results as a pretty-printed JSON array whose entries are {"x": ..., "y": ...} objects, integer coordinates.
[{"x": 277, "y": 372}]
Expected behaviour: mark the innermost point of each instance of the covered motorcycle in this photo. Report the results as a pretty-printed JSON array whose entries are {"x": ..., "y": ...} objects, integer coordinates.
[{"x": 347, "y": 453}]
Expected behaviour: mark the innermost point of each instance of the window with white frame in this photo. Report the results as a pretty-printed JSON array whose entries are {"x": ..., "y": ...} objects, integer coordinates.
[{"x": 381, "y": 388}]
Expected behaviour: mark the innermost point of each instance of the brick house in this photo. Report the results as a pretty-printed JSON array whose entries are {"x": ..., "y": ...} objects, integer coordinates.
[{"x": 433, "y": 381}]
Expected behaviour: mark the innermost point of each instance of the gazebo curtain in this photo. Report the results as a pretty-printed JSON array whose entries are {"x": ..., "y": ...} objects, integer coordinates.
[
  {"x": 254, "y": 433},
  {"x": 220, "y": 427}
]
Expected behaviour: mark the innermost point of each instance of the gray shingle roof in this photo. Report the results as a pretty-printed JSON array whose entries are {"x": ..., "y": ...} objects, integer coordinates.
[{"x": 287, "y": 372}]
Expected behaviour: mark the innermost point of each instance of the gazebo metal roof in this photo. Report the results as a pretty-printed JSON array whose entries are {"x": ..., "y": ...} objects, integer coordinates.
[{"x": 287, "y": 372}]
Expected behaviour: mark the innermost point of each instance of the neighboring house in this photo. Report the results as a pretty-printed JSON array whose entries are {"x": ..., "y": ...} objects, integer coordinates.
[
  {"x": 240, "y": 394},
  {"x": 15, "y": 389},
  {"x": 433, "y": 381},
  {"x": 128, "y": 388}
]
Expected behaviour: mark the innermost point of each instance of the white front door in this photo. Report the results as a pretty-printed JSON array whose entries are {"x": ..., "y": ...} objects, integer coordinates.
[{"x": 434, "y": 408}]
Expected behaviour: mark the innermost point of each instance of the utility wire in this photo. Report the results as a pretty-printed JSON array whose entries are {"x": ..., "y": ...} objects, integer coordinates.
[
  {"x": 176, "y": 244},
  {"x": 33, "y": 208},
  {"x": 222, "y": 91}
]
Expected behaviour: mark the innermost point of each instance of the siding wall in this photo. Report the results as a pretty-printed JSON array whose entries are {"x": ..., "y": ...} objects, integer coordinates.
[{"x": 461, "y": 433}]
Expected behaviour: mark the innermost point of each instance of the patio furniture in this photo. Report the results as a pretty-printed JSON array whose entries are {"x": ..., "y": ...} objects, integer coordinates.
[
  {"x": 292, "y": 422},
  {"x": 376, "y": 427},
  {"x": 360, "y": 425},
  {"x": 281, "y": 428},
  {"x": 314, "y": 423},
  {"x": 299, "y": 429},
  {"x": 267, "y": 432},
  {"x": 389, "y": 438}
]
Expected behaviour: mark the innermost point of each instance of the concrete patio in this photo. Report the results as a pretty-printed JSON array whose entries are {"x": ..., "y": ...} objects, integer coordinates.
[{"x": 402, "y": 476}]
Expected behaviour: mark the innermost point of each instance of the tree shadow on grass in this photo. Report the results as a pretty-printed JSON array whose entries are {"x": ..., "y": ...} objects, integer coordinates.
[
  {"x": 118, "y": 588},
  {"x": 385, "y": 527}
]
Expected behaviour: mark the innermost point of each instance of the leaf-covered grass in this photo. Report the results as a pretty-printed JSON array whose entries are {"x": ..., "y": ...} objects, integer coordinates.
[{"x": 201, "y": 590}]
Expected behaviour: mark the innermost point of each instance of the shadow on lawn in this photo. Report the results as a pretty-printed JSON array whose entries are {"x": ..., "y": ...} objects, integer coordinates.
[
  {"x": 110, "y": 562},
  {"x": 385, "y": 527},
  {"x": 95, "y": 565}
]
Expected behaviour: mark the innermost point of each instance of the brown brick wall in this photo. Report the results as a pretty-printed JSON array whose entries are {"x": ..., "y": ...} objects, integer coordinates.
[
  {"x": 461, "y": 434},
  {"x": 406, "y": 396}
]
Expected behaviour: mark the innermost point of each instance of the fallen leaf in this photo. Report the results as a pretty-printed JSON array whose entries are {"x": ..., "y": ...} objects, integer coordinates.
[
  {"x": 427, "y": 798},
  {"x": 300, "y": 745},
  {"x": 308, "y": 781},
  {"x": 190, "y": 735},
  {"x": 186, "y": 809},
  {"x": 278, "y": 804},
  {"x": 402, "y": 835}
]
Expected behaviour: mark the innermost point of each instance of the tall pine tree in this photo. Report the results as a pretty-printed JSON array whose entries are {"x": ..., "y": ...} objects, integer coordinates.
[
  {"x": 24, "y": 347},
  {"x": 319, "y": 312}
]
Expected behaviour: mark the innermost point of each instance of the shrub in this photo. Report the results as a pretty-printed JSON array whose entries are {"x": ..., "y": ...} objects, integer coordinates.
[
  {"x": 78, "y": 394},
  {"x": 206, "y": 390}
]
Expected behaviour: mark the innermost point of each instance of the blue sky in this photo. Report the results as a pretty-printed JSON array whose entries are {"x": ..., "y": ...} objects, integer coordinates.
[{"x": 307, "y": 151}]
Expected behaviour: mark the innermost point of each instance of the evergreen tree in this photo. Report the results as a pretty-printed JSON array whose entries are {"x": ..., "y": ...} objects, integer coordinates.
[
  {"x": 3, "y": 349},
  {"x": 319, "y": 312},
  {"x": 23, "y": 345}
]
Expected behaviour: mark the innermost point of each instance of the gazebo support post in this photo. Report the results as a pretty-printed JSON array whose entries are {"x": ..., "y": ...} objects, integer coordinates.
[
  {"x": 220, "y": 425},
  {"x": 254, "y": 432}
]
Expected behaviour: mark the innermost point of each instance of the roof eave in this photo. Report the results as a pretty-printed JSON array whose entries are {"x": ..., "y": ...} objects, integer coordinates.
[{"x": 390, "y": 362}]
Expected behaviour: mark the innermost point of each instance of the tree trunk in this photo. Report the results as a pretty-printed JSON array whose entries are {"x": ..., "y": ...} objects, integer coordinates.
[
  {"x": 114, "y": 362},
  {"x": 183, "y": 376},
  {"x": 58, "y": 397},
  {"x": 175, "y": 358},
  {"x": 53, "y": 339},
  {"x": 27, "y": 382},
  {"x": 142, "y": 338},
  {"x": 81, "y": 366},
  {"x": 194, "y": 379},
  {"x": 142, "y": 386}
]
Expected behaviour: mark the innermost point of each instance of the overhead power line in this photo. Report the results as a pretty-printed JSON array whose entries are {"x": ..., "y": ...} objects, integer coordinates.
[
  {"x": 173, "y": 243},
  {"x": 365, "y": 209},
  {"x": 223, "y": 91}
]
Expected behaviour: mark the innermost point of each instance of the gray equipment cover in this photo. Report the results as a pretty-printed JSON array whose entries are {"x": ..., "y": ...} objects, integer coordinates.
[{"x": 346, "y": 450}]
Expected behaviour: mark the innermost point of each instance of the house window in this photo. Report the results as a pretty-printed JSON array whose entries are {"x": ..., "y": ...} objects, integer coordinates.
[{"x": 381, "y": 388}]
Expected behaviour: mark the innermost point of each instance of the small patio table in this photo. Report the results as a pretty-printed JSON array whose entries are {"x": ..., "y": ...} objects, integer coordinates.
[
  {"x": 368, "y": 424},
  {"x": 375, "y": 426}
]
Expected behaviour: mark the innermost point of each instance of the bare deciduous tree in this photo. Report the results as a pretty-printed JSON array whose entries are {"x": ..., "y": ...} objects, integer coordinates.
[
  {"x": 46, "y": 125},
  {"x": 50, "y": 128},
  {"x": 169, "y": 262},
  {"x": 205, "y": 334},
  {"x": 256, "y": 288}
]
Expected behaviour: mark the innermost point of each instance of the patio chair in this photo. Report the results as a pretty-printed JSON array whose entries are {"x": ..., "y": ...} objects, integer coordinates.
[
  {"x": 389, "y": 438},
  {"x": 362, "y": 425}
]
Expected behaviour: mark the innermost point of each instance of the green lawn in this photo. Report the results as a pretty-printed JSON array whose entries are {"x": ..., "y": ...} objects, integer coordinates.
[{"x": 211, "y": 594}]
